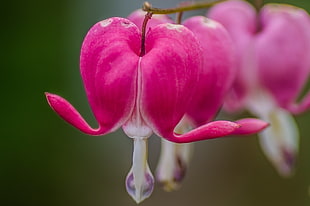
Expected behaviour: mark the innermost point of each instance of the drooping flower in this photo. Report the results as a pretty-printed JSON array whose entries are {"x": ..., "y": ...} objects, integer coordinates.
[
  {"x": 142, "y": 92},
  {"x": 273, "y": 63},
  {"x": 215, "y": 80}
]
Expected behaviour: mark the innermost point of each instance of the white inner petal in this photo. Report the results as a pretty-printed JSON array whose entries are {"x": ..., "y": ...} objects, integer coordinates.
[
  {"x": 136, "y": 126},
  {"x": 280, "y": 140},
  {"x": 140, "y": 181},
  {"x": 174, "y": 159}
]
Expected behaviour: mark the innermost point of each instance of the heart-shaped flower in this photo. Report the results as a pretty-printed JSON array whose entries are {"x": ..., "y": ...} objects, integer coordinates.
[{"x": 142, "y": 92}]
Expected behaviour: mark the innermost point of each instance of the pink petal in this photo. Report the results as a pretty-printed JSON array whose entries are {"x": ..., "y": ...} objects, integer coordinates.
[
  {"x": 236, "y": 16},
  {"x": 283, "y": 49},
  {"x": 239, "y": 18},
  {"x": 218, "y": 70},
  {"x": 169, "y": 71},
  {"x": 250, "y": 126},
  {"x": 235, "y": 99},
  {"x": 65, "y": 110},
  {"x": 109, "y": 62},
  {"x": 211, "y": 130},
  {"x": 217, "y": 129}
]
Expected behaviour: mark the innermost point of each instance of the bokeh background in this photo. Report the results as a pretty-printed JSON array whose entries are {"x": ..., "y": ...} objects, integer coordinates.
[{"x": 46, "y": 162}]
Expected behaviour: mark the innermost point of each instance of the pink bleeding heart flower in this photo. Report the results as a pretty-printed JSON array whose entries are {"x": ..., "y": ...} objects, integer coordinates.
[
  {"x": 218, "y": 71},
  {"x": 141, "y": 92},
  {"x": 273, "y": 67},
  {"x": 215, "y": 80}
]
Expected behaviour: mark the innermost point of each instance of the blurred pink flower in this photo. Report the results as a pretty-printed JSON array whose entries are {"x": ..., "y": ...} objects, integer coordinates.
[{"x": 273, "y": 63}]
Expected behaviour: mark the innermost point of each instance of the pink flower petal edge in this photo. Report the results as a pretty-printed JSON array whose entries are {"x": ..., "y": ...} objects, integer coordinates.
[
  {"x": 218, "y": 68},
  {"x": 66, "y": 111},
  {"x": 250, "y": 126},
  {"x": 220, "y": 128}
]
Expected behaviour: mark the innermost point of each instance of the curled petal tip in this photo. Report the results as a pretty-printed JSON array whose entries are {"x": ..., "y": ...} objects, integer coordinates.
[
  {"x": 66, "y": 111},
  {"x": 50, "y": 97},
  {"x": 250, "y": 126}
]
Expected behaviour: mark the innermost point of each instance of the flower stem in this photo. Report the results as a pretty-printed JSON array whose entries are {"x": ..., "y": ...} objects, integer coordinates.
[
  {"x": 258, "y": 4},
  {"x": 185, "y": 7},
  {"x": 148, "y": 16},
  {"x": 179, "y": 18}
]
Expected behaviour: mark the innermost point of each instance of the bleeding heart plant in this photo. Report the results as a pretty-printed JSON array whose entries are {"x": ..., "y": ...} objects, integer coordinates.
[{"x": 147, "y": 82}]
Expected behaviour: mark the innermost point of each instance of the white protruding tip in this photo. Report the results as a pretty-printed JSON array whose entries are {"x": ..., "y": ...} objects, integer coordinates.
[
  {"x": 139, "y": 181},
  {"x": 280, "y": 141}
]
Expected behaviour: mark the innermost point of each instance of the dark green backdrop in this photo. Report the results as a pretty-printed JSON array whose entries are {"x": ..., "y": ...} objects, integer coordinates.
[{"x": 46, "y": 162}]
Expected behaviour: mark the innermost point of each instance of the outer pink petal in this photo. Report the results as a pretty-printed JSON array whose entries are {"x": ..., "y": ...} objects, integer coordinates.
[
  {"x": 217, "y": 129},
  {"x": 218, "y": 70},
  {"x": 283, "y": 49},
  {"x": 239, "y": 18},
  {"x": 137, "y": 17},
  {"x": 250, "y": 126},
  {"x": 69, "y": 114},
  {"x": 169, "y": 71},
  {"x": 211, "y": 130},
  {"x": 109, "y": 62}
]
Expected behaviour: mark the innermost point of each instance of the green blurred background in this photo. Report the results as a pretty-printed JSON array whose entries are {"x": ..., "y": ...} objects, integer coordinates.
[{"x": 46, "y": 162}]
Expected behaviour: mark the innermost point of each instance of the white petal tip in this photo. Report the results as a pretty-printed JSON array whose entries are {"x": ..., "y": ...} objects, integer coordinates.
[
  {"x": 141, "y": 191},
  {"x": 170, "y": 186},
  {"x": 280, "y": 142},
  {"x": 286, "y": 167},
  {"x": 140, "y": 181}
]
